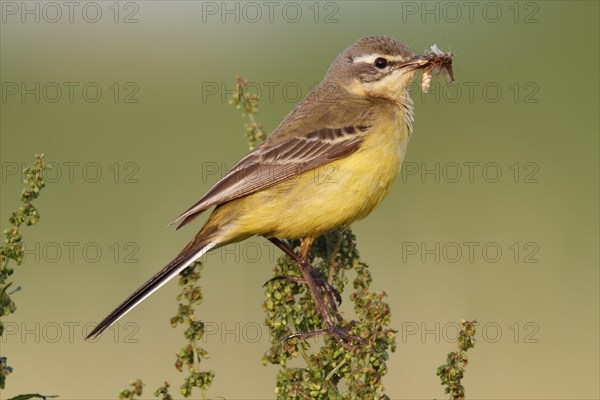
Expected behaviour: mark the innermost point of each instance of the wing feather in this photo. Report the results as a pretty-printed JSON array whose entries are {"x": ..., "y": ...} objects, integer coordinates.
[
  {"x": 293, "y": 149},
  {"x": 273, "y": 163}
]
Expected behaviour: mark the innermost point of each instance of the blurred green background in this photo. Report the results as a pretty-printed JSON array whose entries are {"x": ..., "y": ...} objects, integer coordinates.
[{"x": 494, "y": 217}]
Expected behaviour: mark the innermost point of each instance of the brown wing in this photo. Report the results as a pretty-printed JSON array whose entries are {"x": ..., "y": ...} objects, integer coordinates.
[
  {"x": 327, "y": 125},
  {"x": 273, "y": 163}
]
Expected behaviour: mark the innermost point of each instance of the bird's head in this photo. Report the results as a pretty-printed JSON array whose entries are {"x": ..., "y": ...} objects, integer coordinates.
[{"x": 376, "y": 66}]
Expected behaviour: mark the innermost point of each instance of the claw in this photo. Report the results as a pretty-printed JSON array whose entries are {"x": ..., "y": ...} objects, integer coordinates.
[
  {"x": 341, "y": 335},
  {"x": 326, "y": 285},
  {"x": 329, "y": 289},
  {"x": 289, "y": 278},
  {"x": 302, "y": 335},
  {"x": 316, "y": 282}
]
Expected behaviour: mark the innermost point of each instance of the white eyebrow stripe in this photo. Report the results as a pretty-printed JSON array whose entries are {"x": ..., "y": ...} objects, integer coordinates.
[{"x": 370, "y": 58}]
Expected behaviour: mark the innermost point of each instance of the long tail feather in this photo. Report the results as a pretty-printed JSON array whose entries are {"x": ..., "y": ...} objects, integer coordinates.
[{"x": 187, "y": 256}]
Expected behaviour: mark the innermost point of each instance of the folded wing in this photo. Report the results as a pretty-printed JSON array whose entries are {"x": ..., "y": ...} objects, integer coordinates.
[{"x": 277, "y": 161}]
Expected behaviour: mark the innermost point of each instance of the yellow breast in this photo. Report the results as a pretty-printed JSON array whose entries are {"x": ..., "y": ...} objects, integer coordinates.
[{"x": 333, "y": 195}]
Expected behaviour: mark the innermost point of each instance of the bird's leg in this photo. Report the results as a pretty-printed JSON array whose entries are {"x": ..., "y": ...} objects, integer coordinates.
[
  {"x": 330, "y": 291},
  {"x": 321, "y": 281},
  {"x": 285, "y": 248},
  {"x": 310, "y": 281},
  {"x": 340, "y": 334},
  {"x": 333, "y": 296}
]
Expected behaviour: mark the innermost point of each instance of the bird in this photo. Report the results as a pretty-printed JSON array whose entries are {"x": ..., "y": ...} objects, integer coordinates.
[{"x": 356, "y": 123}]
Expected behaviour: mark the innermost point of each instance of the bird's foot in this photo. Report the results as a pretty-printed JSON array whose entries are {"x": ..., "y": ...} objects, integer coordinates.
[
  {"x": 341, "y": 335},
  {"x": 319, "y": 280},
  {"x": 315, "y": 283}
]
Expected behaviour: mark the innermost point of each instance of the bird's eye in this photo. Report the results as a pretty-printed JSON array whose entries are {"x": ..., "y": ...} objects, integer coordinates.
[{"x": 380, "y": 62}]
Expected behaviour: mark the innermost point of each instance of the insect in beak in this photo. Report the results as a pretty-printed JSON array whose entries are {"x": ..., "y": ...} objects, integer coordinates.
[{"x": 432, "y": 61}]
